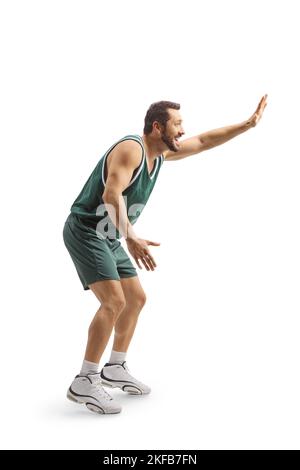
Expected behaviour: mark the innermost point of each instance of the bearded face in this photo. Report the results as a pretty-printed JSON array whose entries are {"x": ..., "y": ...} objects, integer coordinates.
[{"x": 170, "y": 138}]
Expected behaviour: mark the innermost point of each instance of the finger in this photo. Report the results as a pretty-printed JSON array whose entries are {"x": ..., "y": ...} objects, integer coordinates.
[
  {"x": 260, "y": 103},
  {"x": 151, "y": 259},
  {"x": 145, "y": 264},
  {"x": 148, "y": 259},
  {"x": 142, "y": 257},
  {"x": 137, "y": 262},
  {"x": 152, "y": 243},
  {"x": 263, "y": 100},
  {"x": 150, "y": 263}
]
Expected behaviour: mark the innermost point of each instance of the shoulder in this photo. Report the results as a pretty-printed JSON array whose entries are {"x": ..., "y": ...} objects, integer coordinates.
[
  {"x": 127, "y": 152},
  {"x": 130, "y": 145}
]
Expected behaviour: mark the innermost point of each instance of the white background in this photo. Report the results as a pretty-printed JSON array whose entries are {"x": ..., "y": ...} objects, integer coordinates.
[{"x": 218, "y": 340}]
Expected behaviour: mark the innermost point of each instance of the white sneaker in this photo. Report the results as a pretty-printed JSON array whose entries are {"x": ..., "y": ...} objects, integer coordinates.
[
  {"x": 88, "y": 389},
  {"x": 118, "y": 375}
]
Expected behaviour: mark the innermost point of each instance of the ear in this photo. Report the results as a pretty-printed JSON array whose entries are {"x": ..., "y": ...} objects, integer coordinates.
[{"x": 157, "y": 128}]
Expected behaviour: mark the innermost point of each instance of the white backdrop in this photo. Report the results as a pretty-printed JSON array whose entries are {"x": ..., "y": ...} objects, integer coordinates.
[{"x": 218, "y": 340}]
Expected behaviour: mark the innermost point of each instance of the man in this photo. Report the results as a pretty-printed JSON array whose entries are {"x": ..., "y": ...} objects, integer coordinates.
[{"x": 105, "y": 211}]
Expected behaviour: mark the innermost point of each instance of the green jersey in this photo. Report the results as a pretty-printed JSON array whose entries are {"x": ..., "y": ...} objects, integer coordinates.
[{"x": 89, "y": 205}]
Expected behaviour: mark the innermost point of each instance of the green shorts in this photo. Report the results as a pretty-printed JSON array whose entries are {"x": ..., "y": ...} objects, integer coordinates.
[{"x": 95, "y": 259}]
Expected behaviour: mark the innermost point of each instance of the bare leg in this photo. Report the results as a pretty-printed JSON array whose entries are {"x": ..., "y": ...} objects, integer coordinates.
[
  {"x": 125, "y": 325},
  {"x": 112, "y": 299}
]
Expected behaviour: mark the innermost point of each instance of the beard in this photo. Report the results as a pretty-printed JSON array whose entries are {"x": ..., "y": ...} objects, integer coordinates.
[{"x": 169, "y": 141}]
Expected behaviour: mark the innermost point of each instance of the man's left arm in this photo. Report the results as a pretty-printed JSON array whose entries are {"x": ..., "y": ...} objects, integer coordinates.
[{"x": 210, "y": 139}]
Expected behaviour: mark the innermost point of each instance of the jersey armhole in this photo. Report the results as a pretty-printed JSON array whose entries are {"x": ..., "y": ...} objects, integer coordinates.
[{"x": 136, "y": 171}]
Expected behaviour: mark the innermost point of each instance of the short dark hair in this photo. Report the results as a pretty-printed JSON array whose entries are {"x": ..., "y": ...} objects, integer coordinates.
[{"x": 158, "y": 112}]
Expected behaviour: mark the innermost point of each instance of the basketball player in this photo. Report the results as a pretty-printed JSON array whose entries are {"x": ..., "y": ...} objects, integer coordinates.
[{"x": 106, "y": 209}]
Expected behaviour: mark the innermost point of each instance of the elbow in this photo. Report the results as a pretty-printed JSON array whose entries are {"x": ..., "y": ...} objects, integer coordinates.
[
  {"x": 109, "y": 196},
  {"x": 206, "y": 144}
]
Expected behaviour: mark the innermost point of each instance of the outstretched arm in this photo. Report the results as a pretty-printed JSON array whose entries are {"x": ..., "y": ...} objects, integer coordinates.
[{"x": 210, "y": 139}]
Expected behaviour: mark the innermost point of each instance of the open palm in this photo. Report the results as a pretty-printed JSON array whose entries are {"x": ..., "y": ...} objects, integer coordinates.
[{"x": 259, "y": 111}]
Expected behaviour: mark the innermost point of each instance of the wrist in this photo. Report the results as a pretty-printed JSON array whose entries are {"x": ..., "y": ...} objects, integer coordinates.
[
  {"x": 248, "y": 124},
  {"x": 131, "y": 237}
]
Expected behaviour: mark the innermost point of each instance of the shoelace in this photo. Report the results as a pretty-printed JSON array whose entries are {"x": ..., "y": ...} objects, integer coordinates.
[{"x": 101, "y": 390}]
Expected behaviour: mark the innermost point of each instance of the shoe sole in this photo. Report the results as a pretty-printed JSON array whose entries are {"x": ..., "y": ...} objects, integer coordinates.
[
  {"x": 90, "y": 406},
  {"x": 131, "y": 389}
]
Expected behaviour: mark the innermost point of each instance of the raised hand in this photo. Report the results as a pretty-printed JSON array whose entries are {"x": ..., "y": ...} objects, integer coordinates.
[{"x": 259, "y": 111}]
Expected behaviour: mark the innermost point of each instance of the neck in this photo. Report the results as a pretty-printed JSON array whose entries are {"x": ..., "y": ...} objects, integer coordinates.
[{"x": 152, "y": 147}]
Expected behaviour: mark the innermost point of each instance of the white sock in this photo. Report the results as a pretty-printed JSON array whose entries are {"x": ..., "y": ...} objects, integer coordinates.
[
  {"x": 117, "y": 357},
  {"x": 89, "y": 368}
]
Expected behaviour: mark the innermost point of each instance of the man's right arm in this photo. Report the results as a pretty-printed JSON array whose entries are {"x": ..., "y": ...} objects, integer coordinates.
[{"x": 126, "y": 158}]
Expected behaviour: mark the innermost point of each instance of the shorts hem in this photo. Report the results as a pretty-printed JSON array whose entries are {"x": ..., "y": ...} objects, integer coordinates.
[
  {"x": 128, "y": 275},
  {"x": 125, "y": 276},
  {"x": 86, "y": 285}
]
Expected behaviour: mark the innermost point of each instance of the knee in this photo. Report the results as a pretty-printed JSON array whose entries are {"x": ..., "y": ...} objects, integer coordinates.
[
  {"x": 114, "y": 306},
  {"x": 142, "y": 299},
  {"x": 139, "y": 300}
]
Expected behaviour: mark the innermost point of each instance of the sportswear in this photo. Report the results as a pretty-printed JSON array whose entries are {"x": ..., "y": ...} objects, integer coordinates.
[
  {"x": 89, "y": 390},
  {"x": 89, "y": 205},
  {"x": 90, "y": 236},
  {"x": 118, "y": 375}
]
